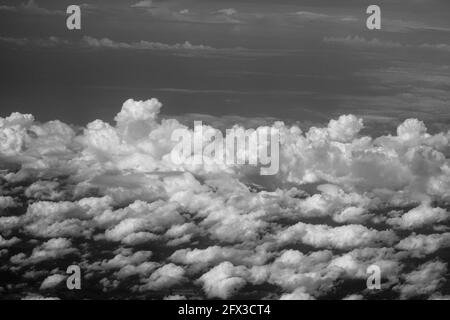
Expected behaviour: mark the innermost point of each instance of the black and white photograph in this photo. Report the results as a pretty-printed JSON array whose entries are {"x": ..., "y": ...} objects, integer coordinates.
[{"x": 231, "y": 150}]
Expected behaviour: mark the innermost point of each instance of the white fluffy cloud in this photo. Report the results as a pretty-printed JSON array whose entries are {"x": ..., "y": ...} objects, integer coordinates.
[
  {"x": 108, "y": 197},
  {"x": 343, "y": 237},
  {"x": 52, "y": 249},
  {"x": 8, "y": 242},
  {"x": 425, "y": 280},
  {"x": 6, "y": 202},
  {"x": 421, "y": 245},
  {"x": 298, "y": 294},
  {"x": 165, "y": 277},
  {"x": 224, "y": 280},
  {"x": 52, "y": 281},
  {"x": 422, "y": 216}
]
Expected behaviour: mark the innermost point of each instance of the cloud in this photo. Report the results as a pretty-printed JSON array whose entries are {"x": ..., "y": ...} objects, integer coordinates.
[
  {"x": 8, "y": 242},
  {"x": 31, "y": 7},
  {"x": 91, "y": 42},
  {"x": 361, "y": 42},
  {"x": 6, "y": 202},
  {"x": 307, "y": 15},
  {"x": 419, "y": 245},
  {"x": 186, "y": 48},
  {"x": 223, "y": 281},
  {"x": 38, "y": 297},
  {"x": 142, "y": 45},
  {"x": 420, "y": 217},
  {"x": 358, "y": 41},
  {"x": 399, "y": 25},
  {"x": 143, "y": 4},
  {"x": 298, "y": 294},
  {"x": 39, "y": 42},
  {"x": 426, "y": 279},
  {"x": 343, "y": 237},
  {"x": 227, "y": 12},
  {"x": 167, "y": 276},
  {"x": 345, "y": 128},
  {"x": 52, "y": 281},
  {"x": 108, "y": 197},
  {"x": 436, "y": 46},
  {"x": 55, "y": 248},
  {"x": 201, "y": 259}
]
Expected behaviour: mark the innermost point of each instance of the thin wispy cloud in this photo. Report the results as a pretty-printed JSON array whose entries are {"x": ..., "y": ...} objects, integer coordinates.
[
  {"x": 143, "y": 4},
  {"x": 31, "y": 7},
  {"x": 186, "y": 48}
]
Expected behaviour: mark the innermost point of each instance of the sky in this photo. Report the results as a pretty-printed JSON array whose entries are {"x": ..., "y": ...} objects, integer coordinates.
[
  {"x": 305, "y": 60},
  {"x": 363, "y": 154}
]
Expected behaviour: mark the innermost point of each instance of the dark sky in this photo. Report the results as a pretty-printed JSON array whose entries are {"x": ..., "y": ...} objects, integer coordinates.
[{"x": 305, "y": 60}]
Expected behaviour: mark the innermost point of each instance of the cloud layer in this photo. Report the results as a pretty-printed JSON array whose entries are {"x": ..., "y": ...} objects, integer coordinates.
[{"x": 108, "y": 198}]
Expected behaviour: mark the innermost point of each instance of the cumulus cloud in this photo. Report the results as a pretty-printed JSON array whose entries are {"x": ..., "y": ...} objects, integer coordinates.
[
  {"x": 425, "y": 280},
  {"x": 8, "y": 242},
  {"x": 298, "y": 294},
  {"x": 55, "y": 248},
  {"x": 167, "y": 276},
  {"x": 343, "y": 237},
  {"x": 420, "y": 245},
  {"x": 422, "y": 216},
  {"x": 52, "y": 281},
  {"x": 6, "y": 202},
  {"x": 108, "y": 197},
  {"x": 224, "y": 280}
]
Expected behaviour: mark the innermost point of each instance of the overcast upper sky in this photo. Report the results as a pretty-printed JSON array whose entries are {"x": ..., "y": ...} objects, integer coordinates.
[{"x": 303, "y": 60}]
